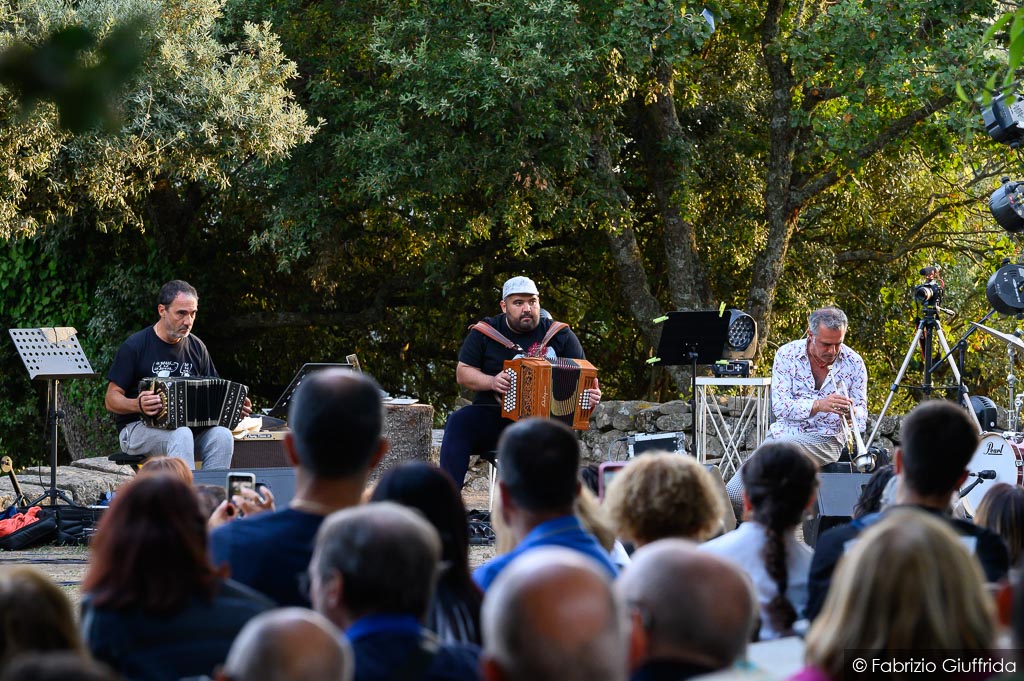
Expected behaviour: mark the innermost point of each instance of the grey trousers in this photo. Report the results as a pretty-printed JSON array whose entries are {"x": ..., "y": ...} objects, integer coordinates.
[
  {"x": 823, "y": 449},
  {"x": 213, "y": 446}
]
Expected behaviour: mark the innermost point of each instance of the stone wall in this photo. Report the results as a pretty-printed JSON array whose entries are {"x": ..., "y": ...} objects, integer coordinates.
[{"x": 614, "y": 421}]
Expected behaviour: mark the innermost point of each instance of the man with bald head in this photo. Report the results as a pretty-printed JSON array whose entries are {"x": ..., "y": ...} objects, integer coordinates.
[
  {"x": 690, "y": 612},
  {"x": 373, "y": 575},
  {"x": 551, "y": 616},
  {"x": 288, "y": 644},
  {"x": 336, "y": 420}
]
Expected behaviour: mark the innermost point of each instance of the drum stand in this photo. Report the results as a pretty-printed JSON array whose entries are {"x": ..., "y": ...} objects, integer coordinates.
[{"x": 927, "y": 327}]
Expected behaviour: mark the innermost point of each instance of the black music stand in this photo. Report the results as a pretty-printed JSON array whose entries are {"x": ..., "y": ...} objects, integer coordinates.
[
  {"x": 280, "y": 408},
  {"x": 52, "y": 354},
  {"x": 694, "y": 337}
]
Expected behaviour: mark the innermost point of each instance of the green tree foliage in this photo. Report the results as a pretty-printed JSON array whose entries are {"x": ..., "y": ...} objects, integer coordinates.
[{"x": 96, "y": 221}]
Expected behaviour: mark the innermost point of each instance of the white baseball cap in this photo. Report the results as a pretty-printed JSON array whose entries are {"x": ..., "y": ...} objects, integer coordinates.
[{"x": 519, "y": 285}]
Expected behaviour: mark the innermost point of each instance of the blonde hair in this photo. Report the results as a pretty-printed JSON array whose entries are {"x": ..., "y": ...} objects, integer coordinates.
[
  {"x": 664, "y": 495},
  {"x": 166, "y": 465},
  {"x": 586, "y": 508},
  {"x": 908, "y": 583}
]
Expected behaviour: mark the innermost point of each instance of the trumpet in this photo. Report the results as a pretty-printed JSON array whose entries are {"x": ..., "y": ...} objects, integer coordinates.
[{"x": 863, "y": 460}]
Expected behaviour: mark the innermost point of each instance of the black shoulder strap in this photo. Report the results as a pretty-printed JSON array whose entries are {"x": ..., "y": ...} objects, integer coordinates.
[{"x": 415, "y": 666}]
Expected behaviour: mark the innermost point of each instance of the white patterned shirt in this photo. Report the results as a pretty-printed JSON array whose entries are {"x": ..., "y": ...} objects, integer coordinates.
[{"x": 793, "y": 391}]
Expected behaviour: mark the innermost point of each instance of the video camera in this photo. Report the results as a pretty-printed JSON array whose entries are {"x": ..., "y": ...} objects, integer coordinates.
[{"x": 930, "y": 292}]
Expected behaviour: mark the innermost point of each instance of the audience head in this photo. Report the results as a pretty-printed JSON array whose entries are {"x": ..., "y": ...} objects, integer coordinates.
[
  {"x": 433, "y": 493},
  {"x": 871, "y": 497},
  {"x": 779, "y": 482},
  {"x": 379, "y": 558},
  {"x": 210, "y": 497},
  {"x": 336, "y": 418},
  {"x": 150, "y": 549},
  {"x": 686, "y": 604},
  {"x": 663, "y": 495},
  {"x": 35, "y": 615},
  {"x": 167, "y": 465},
  {"x": 551, "y": 615},
  {"x": 1002, "y": 511},
  {"x": 937, "y": 441},
  {"x": 907, "y": 584},
  {"x": 288, "y": 644},
  {"x": 55, "y": 666},
  {"x": 538, "y": 460}
]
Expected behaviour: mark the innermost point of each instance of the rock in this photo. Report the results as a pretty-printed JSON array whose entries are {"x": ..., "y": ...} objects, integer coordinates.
[
  {"x": 84, "y": 486},
  {"x": 676, "y": 407},
  {"x": 103, "y": 465},
  {"x": 601, "y": 418},
  {"x": 647, "y": 420},
  {"x": 675, "y": 422}
]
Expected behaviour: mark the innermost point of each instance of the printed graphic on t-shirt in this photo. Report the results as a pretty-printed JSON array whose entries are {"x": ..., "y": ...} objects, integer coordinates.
[
  {"x": 171, "y": 367},
  {"x": 534, "y": 351}
]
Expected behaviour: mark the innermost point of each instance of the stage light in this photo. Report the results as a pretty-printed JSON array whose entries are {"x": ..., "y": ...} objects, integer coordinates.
[
  {"x": 741, "y": 342},
  {"x": 1007, "y": 206}
]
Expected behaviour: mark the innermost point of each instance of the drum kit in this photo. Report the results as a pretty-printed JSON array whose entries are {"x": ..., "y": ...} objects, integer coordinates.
[{"x": 1000, "y": 455}]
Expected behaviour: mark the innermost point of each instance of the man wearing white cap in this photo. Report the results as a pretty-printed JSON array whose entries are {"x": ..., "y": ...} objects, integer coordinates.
[{"x": 474, "y": 429}]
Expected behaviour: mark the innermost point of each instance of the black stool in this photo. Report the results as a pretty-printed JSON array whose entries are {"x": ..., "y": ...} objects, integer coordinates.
[{"x": 133, "y": 460}]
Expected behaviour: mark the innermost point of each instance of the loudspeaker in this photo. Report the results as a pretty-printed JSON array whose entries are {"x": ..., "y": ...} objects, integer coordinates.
[
  {"x": 281, "y": 481},
  {"x": 837, "y": 495},
  {"x": 260, "y": 450}
]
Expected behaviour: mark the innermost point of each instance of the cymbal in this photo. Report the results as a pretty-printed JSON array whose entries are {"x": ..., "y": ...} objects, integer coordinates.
[{"x": 1005, "y": 337}]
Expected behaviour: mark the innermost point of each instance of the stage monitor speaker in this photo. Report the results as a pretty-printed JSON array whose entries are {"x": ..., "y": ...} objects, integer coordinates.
[
  {"x": 281, "y": 481},
  {"x": 260, "y": 450},
  {"x": 837, "y": 495}
]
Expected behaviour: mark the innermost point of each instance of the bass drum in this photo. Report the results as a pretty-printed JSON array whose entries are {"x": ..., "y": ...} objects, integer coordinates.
[{"x": 994, "y": 453}]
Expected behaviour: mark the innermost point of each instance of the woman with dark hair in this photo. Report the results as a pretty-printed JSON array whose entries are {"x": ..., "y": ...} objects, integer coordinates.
[
  {"x": 454, "y": 614},
  {"x": 779, "y": 482},
  {"x": 154, "y": 606},
  {"x": 1002, "y": 511},
  {"x": 871, "y": 497}
]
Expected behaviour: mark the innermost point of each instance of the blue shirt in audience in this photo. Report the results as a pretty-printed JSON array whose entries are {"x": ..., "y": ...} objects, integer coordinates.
[
  {"x": 565, "y": 531},
  {"x": 382, "y": 644}
]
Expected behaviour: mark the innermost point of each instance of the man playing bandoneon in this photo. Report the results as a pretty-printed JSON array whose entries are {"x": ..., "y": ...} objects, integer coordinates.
[{"x": 166, "y": 348}]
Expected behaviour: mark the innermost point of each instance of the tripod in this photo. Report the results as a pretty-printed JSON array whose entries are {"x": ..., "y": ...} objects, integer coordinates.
[{"x": 927, "y": 328}]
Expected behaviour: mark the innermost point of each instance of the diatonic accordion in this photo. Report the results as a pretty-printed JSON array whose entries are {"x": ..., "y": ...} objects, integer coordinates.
[
  {"x": 549, "y": 389},
  {"x": 195, "y": 402}
]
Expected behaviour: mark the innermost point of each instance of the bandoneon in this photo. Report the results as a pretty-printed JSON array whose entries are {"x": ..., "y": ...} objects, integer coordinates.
[
  {"x": 195, "y": 402},
  {"x": 550, "y": 389}
]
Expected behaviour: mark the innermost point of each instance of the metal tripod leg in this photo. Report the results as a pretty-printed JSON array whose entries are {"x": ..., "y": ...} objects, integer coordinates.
[
  {"x": 959, "y": 381},
  {"x": 896, "y": 384}
]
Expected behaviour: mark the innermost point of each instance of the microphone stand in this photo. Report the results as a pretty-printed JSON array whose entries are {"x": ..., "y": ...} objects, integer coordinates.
[{"x": 967, "y": 490}]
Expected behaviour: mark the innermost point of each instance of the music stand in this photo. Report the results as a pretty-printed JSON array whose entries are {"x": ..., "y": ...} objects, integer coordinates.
[
  {"x": 692, "y": 337},
  {"x": 52, "y": 354},
  {"x": 280, "y": 408}
]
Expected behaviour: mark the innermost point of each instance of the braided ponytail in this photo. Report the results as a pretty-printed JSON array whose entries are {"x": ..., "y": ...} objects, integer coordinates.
[{"x": 779, "y": 479}]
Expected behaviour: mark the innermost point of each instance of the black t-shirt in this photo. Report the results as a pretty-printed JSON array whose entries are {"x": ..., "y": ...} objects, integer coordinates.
[
  {"x": 144, "y": 355},
  {"x": 489, "y": 356}
]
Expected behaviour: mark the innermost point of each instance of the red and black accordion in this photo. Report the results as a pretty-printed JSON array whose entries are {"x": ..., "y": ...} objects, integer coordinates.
[
  {"x": 549, "y": 389},
  {"x": 195, "y": 402}
]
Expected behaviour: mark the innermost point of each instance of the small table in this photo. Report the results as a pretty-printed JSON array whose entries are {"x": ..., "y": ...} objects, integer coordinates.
[{"x": 711, "y": 422}]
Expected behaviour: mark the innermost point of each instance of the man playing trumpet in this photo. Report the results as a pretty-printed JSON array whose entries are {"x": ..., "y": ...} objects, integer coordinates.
[{"x": 817, "y": 383}]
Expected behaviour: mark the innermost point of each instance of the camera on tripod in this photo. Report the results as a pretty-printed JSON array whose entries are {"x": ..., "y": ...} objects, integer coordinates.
[{"x": 930, "y": 292}]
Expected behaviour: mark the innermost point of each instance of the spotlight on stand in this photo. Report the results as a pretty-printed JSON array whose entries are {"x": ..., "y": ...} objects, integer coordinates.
[
  {"x": 742, "y": 340},
  {"x": 1005, "y": 289},
  {"x": 1003, "y": 120},
  {"x": 1007, "y": 206}
]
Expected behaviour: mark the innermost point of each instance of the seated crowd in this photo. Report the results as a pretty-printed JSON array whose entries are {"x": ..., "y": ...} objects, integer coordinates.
[{"x": 337, "y": 588}]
